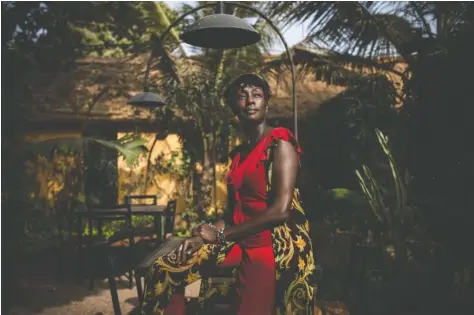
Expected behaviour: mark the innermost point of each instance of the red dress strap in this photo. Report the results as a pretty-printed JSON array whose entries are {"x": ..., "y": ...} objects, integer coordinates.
[{"x": 284, "y": 134}]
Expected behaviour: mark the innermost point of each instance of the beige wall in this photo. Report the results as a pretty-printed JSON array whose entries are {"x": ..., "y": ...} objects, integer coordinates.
[
  {"x": 54, "y": 176},
  {"x": 132, "y": 179}
]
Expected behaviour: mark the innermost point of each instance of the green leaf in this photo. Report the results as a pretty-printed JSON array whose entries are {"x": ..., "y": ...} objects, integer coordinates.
[
  {"x": 130, "y": 153},
  {"x": 344, "y": 194}
]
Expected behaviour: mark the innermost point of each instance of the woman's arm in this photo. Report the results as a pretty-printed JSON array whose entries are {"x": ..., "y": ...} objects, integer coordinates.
[
  {"x": 220, "y": 224},
  {"x": 285, "y": 169}
]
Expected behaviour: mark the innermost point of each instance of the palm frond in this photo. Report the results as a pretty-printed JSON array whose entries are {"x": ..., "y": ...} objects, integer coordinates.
[
  {"x": 369, "y": 195},
  {"x": 129, "y": 147},
  {"x": 161, "y": 58},
  {"x": 421, "y": 13},
  {"x": 373, "y": 192},
  {"x": 359, "y": 27},
  {"x": 400, "y": 190},
  {"x": 331, "y": 66},
  {"x": 268, "y": 36},
  {"x": 165, "y": 21},
  {"x": 163, "y": 62}
]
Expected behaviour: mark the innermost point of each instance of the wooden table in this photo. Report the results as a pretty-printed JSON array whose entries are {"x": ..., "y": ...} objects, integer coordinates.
[
  {"x": 121, "y": 212},
  {"x": 117, "y": 213}
]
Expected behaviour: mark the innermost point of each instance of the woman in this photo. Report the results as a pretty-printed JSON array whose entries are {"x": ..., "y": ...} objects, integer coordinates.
[{"x": 266, "y": 235}]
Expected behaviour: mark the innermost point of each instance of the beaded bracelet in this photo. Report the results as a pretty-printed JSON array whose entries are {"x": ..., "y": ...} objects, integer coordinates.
[{"x": 220, "y": 234}]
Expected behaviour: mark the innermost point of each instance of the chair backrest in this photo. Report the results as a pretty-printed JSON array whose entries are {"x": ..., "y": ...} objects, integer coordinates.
[
  {"x": 129, "y": 199},
  {"x": 102, "y": 208},
  {"x": 170, "y": 214}
]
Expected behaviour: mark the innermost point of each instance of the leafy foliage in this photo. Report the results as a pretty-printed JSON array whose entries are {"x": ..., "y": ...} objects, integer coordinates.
[
  {"x": 386, "y": 214},
  {"x": 43, "y": 39},
  {"x": 128, "y": 146},
  {"x": 200, "y": 117},
  {"x": 432, "y": 40},
  {"x": 81, "y": 28},
  {"x": 426, "y": 47},
  {"x": 373, "y": 35},
  {"x": 367, "y": 28}
]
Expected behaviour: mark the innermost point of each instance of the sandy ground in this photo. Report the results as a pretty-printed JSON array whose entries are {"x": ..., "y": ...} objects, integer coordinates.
[
  {"x": 79, "y": 300},
  {"x": 39, "y": 291},
  {"x": 71, "y": 299}
]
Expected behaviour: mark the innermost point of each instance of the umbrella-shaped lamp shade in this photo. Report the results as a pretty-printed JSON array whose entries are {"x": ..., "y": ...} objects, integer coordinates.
[
  {"x": 147, "y": 100},
  {"x": 220, "y": 31}
]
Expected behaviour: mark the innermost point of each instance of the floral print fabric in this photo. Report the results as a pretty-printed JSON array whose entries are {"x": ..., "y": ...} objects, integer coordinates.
[{"x": 292, "y": 247}]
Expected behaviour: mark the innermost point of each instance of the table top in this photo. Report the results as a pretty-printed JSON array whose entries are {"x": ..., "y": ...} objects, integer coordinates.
[{"x": 121, "y": 210}]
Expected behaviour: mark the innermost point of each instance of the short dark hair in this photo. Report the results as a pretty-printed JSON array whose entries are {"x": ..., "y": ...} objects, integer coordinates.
[{"x": 247, "y": 78}]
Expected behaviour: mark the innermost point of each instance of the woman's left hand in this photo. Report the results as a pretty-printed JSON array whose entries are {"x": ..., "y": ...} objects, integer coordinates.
[{"x": 207, "y": 233}]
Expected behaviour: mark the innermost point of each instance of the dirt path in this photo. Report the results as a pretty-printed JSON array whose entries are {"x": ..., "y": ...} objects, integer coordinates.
[
  {"x": 73, "y": 300},
  {"x": 39, "y": 292},
  {"x": 78, "y": 300}
]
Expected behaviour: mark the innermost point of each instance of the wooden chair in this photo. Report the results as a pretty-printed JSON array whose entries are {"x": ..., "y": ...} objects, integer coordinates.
[
  {"x": 134, "y": 236},
  {"x": 129, "y": 198},
  {"x": 142, "y": 268},
  {"x": 170, "y": 217},
  {"x": 110, "y": 260},
  {"x": 70, "y": 236},
  {"x": 92, "y": 241},
  {"x": 129, "y": 202},
  {"x": 105, "y": 217}
]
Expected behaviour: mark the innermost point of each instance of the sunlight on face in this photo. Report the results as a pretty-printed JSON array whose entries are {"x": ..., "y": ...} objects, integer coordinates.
[{"x": 251, "y": 103}]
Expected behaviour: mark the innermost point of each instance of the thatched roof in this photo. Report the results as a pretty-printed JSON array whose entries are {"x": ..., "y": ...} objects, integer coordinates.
[
  {"x": 98, "y": 89},
  {"x": 310, "y": 94}
]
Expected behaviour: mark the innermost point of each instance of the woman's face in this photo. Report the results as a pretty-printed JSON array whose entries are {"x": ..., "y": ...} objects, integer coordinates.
[{"x": 251, "y": 104}]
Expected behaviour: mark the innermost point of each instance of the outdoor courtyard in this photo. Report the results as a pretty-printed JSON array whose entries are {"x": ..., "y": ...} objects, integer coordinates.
[{"x": 124, "y": 123}]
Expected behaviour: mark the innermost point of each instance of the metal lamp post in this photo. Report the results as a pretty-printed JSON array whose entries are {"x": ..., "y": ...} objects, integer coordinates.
[{"x": 218, "y": 31}]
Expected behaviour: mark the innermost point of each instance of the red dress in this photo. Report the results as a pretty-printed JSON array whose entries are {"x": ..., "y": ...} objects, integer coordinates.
[
  {"x": 247, "y": 181},
  {"x": 254, "y": 256}
]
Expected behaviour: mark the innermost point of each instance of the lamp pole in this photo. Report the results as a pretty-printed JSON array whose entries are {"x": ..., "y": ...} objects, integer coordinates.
[{"x": 260, "y": 14}]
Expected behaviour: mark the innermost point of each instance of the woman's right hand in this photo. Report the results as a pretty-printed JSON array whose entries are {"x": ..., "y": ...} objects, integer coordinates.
[{"x": 189, "y": 247}]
